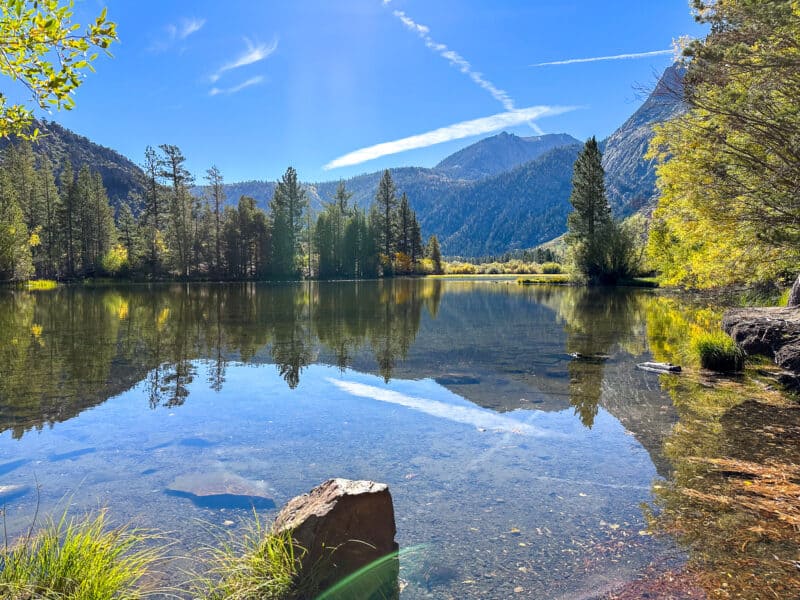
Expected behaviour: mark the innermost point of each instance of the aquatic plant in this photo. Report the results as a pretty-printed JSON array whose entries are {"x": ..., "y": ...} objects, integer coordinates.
[
  {"x": 257, "y": 565},
  {"x": 718, "y": 352},
  {"x": 78, "y": 560},
  {"x": 537, "y": 279}
]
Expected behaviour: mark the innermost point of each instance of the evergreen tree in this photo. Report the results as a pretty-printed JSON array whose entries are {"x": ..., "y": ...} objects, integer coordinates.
[
  {"x": 15, "y": 254},
  {"x": 181, "y": 205},
  {"x": 287, "y": 207},
  {"x": 384, "y": 219},
  {"x": 155, "y": 211},
  {"x": 217, "y": 193},
  {"x": 435, "y": 254},
  {"x": 601, "y": 249},
  {"x": 50, "y": 234},
  {"x": 416, "y": 240},
  {"x": 69, "y": 220}
]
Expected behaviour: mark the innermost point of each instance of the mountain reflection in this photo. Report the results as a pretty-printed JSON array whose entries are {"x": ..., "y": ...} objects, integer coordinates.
[{"x": 501, "y": 346}]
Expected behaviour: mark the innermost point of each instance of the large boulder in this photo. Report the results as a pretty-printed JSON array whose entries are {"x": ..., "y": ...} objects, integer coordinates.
[
  {"x": 771, "y": 332},
  {"x": 343, "y": 526}
]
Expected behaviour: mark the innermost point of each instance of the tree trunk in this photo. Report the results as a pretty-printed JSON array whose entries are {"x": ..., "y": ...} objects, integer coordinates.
[{"x": 794, "y": 294}]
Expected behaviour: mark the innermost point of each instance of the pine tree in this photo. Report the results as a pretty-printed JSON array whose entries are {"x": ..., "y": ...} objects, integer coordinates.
[
  {"x": 287, "y": 207},
  {"x": 181, "y": 205},
  {"x": 217, "y": 193},
  {"x": 69, "y": 222},
  {"x": 155, "y": 210},
  {"x": 435, "y": 254},
  {"x": 51, "y": 234},
  {"x": 384, "y": 219},
  {"x": 16, "y": 263},
  {"x": 601, "y": 249}
]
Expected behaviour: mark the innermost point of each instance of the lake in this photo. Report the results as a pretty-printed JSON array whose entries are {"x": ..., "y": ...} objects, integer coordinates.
[{"x": 526, "y": 454}]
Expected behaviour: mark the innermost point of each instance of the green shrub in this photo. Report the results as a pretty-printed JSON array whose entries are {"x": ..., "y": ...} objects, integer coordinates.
[
  {"x": 718, "y": 352},
  {"x": 77, "y": 560},
  {"x": 258, "y": 565},
  {"x": 551, "y": 268}
]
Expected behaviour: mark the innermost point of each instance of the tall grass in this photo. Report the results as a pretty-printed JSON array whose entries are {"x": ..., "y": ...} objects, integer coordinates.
[
  {"x": 257, "y": 565},
  {"x": 78, "y": 560},
  {"x": 718, "y": 352}
]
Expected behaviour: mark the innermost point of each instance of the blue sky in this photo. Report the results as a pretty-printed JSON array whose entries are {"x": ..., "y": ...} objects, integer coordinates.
[{"x": 256, "y": 86}]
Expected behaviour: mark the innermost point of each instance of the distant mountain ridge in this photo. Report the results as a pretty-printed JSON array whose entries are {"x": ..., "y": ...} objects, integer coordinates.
[
  {"x": 500, "y": 193},
  {"x": 499, "y": 153}
]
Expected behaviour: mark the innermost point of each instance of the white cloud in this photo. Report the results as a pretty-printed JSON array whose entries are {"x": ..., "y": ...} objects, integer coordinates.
[
  {"x": 468, "y": 415},
  {"x": 572, "y": 61},
  {"x": 457, "y": 131},
  {"x": 455, "y": 59},
  {"x": 254, "y": 53},
  {"x": 189, "y": 26},
  {"x": 215, "y": 91},
  {"x": 177, "y": 32}
]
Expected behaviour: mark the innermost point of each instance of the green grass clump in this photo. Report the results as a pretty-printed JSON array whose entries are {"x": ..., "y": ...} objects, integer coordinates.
[
  {"x": 540, "y": 279},
  {"x": 718, "y": 352},
  {"x": 77, "y": 560},
  {"x": 551, "y": 268},
  {"x": 41, "y": 285},
  {"x": 258, "y": 565}
]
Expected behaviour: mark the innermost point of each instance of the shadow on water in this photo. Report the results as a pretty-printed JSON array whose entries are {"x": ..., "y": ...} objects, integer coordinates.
[{"x": 225, "y": 501}]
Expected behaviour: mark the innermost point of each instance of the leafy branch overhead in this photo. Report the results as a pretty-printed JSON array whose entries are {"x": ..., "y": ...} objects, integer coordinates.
[{"x": 41, "y": 48}]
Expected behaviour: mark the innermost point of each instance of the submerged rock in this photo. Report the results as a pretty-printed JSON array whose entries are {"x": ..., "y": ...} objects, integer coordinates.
[
  {"x": 344, "y": 526},
  {"x": 221, "y": 489},
  {"x": 772, "y": 332}
]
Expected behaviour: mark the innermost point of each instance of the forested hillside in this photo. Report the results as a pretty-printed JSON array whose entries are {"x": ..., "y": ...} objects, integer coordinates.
[{"x": 121, "y": 176}]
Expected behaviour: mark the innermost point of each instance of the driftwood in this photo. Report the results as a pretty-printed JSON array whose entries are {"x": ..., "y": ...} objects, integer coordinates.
[{"x": 657, "y": 367}]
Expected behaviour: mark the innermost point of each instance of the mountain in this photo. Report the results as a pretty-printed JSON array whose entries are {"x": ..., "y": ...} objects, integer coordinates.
[
  {"x": 630, "y": 178},
  {"x": 499, "y": 153},
  {"x": 501, "y": 193},
  {"x": 508, "y": 192},
  {"x": 120, "y": 175}
]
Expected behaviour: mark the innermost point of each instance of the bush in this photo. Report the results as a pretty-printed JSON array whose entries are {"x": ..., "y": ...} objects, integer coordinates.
[
  {"x": 459, "y": 268},
  {"x": 551, "y": 268},
  {"x": 718, "y": 352},
  {"x": 77, "y": 560}
]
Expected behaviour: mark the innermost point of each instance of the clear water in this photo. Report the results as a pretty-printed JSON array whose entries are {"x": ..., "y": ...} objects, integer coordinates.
[{"x": 513, "y": 464}]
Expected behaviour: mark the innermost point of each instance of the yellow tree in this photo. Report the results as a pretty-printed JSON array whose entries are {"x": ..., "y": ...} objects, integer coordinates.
[
  {"x": 42, "y": 49},
  {"x": 730, "y": 208}
]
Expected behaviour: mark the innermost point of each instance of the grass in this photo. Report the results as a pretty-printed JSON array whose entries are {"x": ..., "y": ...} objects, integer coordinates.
[
  {"x": 718, "y": 352},
  {"x": 256, "y": 565},
  {"x": 41, "y": 285},
  {"x": 78, "y": 560},
  {"x": 539, "y": 279}
]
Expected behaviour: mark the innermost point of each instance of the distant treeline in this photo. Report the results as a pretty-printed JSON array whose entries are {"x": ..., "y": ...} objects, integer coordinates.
[{"x": 56, "y": 222}]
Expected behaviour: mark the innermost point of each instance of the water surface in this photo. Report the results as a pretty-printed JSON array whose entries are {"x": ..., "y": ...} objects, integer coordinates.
[{"x": 518, "y": 439}]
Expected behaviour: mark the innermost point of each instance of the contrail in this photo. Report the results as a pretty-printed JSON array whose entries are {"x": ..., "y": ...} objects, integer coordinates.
[
  {"x": 572, "y": 61},
  {"x": 459, "y": 62},
  {"x": 457, "y": 131}
]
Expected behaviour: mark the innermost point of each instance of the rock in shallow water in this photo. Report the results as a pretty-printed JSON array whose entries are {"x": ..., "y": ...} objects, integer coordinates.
[
  {"x": 344, "y": 526},
  {"x": 772, "y": 332},
  {"x": 221, "y": 489}
]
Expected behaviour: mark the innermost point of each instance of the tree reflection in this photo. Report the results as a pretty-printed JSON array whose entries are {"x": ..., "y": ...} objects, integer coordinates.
[
  {"x": 72, "y": 348},
  {"x": 597, "y": 321}
]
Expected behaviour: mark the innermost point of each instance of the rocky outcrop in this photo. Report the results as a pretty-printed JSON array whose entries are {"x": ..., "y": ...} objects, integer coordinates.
[
  {"x": 343, "y": 526},
  {"x": 794, "y": 294},
  {"x": 771, "y": 332}
]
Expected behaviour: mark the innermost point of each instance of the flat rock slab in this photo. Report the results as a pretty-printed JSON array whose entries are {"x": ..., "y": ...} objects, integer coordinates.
[
  {"x": 221, "y": 489},
  {"x": 773, "y": 332},
  {"x": 344, "y": 526}
]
